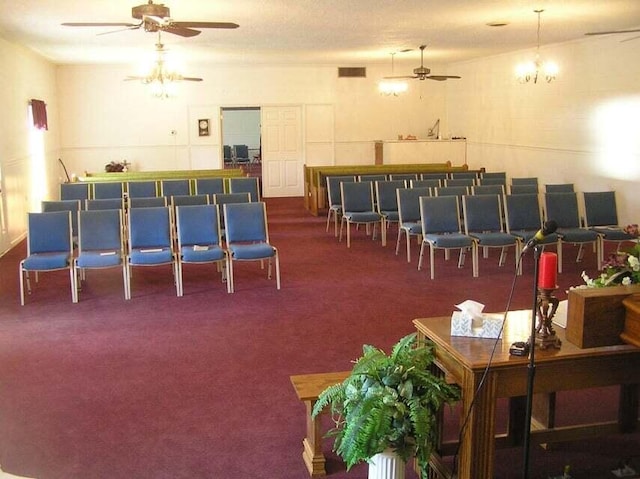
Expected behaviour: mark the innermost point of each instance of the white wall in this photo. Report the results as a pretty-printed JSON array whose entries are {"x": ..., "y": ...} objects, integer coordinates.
[
  {"x": 23, "y": 76},
  {"x": 583, "y": 128},
  {"x": 108, "y": 119}
]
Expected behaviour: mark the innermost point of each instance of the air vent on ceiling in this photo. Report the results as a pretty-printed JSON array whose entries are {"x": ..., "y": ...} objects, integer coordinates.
[{"x": 352, "y": 72}]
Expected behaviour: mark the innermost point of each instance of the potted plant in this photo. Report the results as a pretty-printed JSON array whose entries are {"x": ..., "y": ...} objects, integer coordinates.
[{"x": 388, "y": 403}]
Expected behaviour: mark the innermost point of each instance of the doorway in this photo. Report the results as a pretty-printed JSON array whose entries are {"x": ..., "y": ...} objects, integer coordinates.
[{"x": 241, "y": 140}]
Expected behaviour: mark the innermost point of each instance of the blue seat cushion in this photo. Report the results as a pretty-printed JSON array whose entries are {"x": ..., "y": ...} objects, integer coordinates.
[
  {"x": 413, "y": 227},
  {"x": 99, "y": 259},
  {"x": 452, "y": 240},
  {"x": 576, "y": 235},
  {"x": 201, "y": 253},
  {"x": 612, "y": 234},
  {"x": 251, "y": 251},
  {"x": 494, "y": 239},
  {"x": 45, "y": 261},
  {"x": 150, "y": 256},
  {"x": 362, "y": 216},
  {"x": 391, "y": 215}
]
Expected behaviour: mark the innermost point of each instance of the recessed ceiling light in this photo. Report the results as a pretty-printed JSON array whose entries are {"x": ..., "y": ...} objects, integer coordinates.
[{"x": 497, "y": 24}]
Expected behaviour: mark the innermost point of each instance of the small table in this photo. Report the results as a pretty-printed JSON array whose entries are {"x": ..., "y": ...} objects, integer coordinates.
[{"x": 465, "y": 360}]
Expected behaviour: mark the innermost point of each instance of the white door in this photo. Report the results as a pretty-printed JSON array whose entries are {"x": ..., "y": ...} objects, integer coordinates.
[{"x": 282, "y": 161}]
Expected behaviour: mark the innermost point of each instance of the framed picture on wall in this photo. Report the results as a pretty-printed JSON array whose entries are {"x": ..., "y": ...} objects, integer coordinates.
[{"x": 203, "y": 127}]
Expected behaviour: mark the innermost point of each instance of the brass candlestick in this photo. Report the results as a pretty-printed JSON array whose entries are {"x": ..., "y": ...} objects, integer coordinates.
[{"x": 547, "y": 304}]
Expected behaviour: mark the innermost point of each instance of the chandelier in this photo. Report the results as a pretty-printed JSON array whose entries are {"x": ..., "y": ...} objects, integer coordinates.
[
  {"x": 390, "y": 86},
  {"x": 530, "y": 71},
  {"x": 163, "y": 78}
]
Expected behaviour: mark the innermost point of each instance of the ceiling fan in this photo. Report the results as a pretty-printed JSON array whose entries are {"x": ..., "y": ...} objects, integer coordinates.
[
  {"x": 423, "y": 73},
  {"x": 155, "y": 17},
  {"x": 161, "y": 75}
]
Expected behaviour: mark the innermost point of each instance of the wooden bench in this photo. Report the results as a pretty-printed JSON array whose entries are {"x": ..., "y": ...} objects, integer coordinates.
[
  {"x": 308, "y": 387},
  {"x": 315, "y": 191}
]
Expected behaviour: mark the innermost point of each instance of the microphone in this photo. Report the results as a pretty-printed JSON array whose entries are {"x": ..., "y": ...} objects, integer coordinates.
[{"x": 548, "y": 228}]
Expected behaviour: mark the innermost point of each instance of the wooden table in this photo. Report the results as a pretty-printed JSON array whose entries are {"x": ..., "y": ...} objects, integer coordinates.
[{"x": 568, "y": 368}]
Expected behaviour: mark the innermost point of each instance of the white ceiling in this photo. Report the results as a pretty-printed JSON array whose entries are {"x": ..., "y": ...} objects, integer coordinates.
[{"x": 342, "y": 32}]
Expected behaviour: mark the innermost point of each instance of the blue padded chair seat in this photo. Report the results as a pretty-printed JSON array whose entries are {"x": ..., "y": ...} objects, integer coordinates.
[
  {"x": 413, "y": 227},
  {"x": 494, "y": 239},
  {"x": 612, "y": 234},
  {"x": 576, "y": 235},
  {"x": 44, "y": 261},
  {"x": 526, "y": 235},
  {"x": 201, "y": 255},
  {"x": 251, "y": 251},
  {"x": 362, "y": 217},
  {"x": 451, "y": 240},
  {"x": 142, "y": 256},
  {"x": 390, "y": 215},
  {"x": 99, "y": 259}
]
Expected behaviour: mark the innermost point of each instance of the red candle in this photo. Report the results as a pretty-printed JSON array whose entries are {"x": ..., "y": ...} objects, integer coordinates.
[{"x": 548, "y": 271}]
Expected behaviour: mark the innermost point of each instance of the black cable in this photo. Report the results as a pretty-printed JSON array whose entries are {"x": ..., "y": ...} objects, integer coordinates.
[{"x": 486, "y": 369}]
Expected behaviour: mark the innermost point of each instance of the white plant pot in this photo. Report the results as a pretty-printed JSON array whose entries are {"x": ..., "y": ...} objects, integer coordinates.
[{"x": 386, "y": 465}]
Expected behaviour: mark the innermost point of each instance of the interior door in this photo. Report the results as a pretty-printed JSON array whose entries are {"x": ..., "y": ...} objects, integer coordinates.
[{"x": 282, "y": 160}]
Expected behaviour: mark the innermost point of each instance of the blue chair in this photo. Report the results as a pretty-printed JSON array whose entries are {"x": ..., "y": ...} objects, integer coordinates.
[
  {"x": 209, "y": 186},
  {"x": 227, "y": 154},
  {"x": 372, "y": 178},
  {"x": 358, "y": 209},
  {"x": 524, "y": 219},
  {"x": 459, "y": 182},
  {"x": 559, "y": 188},
  {"x": 249, "y": 185},
  {"x": 563, "y": 209},
  {"x": 483, "y": 222},
  {"x": 150, "y": 241},
  {"x": 74, "y": 191},
  {"x": 525, "y": 181},
  {"x": 441, "y": 230},
  {"x": 147, "y": 202},
  {"x": 100, "y": 245},
  {"x": 247, "y": 237},
  {"x": 241, "y": 154},
  {"x": 335, "y": 203},
  {"x": 458, "y": 191},
  {"x": 171, "y": 188},
  {"x": 495, "y": 175},
  {"x": 105, "y": 204},
  {"x": 434, "y": 176},
  {"x": 141, "y": 189},
  {"x": 65, "y": 205},
  {"x": 49, "y": 248},
  {"x": 107, "y": 190},
  {"x": 185, "y": 200},
  {"x": 523, "y": 189},
  {"x": 601, "y": 216},
  {"x": 387, "y": 203},
  {"x": 224, "y": 198},
  {"x": 409, "y": 221},
  {"x": 430, "y": 183},
  {"x": 466, "y": 175},
  {"x": 199, "y": 239},
  {"x": 487, "y": 190},
  {"x": 492, "y": 181},
  {"x": 403, "y": 176}
]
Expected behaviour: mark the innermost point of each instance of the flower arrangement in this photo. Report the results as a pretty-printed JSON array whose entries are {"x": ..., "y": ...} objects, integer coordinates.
[
  {"x": 116, "y": 166},
  {"x": 622, "y": 267}
]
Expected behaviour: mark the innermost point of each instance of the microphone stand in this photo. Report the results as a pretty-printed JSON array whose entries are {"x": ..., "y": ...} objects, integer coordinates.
[{"x": 531, "y": 369}]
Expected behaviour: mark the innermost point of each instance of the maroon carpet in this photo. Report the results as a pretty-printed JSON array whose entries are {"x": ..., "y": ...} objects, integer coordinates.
[{"x": 198, "y": 387}]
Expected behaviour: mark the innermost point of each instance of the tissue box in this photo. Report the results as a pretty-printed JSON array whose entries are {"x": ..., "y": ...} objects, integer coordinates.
[{"x": 462, "y": 325}]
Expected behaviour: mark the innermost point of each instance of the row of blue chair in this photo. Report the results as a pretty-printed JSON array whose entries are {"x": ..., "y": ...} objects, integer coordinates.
[
  {"x": 101, "y": 242},
  {"x": 144, "y": 189}
]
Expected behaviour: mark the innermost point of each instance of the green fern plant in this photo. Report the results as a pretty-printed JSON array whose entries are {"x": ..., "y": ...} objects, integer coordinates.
[{"x": 388, "y": 402}]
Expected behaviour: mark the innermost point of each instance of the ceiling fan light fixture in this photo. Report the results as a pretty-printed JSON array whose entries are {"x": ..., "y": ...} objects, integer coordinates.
[
  {"x": 389, "y": 86},
  {"x": 533, "y": 70}
]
